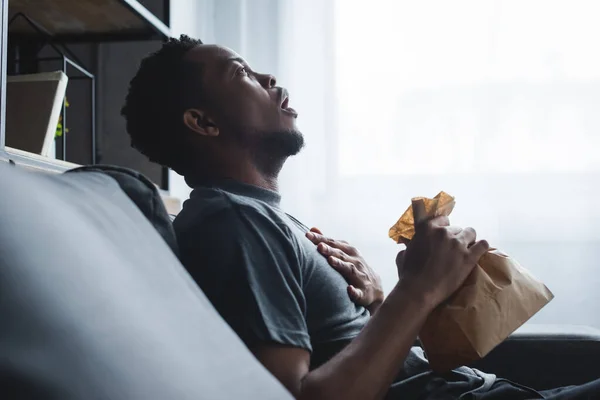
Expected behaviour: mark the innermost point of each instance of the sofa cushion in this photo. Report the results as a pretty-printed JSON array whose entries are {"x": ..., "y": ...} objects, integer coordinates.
[
  {"x": 144, "y": 195},
  {"x": 567, "y": 355},
  {"x": 94, "y": 304}
]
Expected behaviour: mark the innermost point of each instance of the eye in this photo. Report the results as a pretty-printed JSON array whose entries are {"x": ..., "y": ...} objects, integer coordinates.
[{"x": 242, "y": 71}]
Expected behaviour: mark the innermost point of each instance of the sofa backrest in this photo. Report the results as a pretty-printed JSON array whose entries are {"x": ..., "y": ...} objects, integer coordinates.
[
  {"x": 95, "y": 305},
  {"x": 142, "y": 192}
]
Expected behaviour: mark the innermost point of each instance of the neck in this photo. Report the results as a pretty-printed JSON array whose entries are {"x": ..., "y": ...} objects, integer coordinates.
[
  {"x": 253, "y": 176},
  {"x": 268, "y": 169},
  {"x": 263, "y": 174}
]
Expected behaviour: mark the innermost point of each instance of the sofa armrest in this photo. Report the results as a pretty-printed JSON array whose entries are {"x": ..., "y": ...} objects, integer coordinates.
[{"x": 547, "y": 356}]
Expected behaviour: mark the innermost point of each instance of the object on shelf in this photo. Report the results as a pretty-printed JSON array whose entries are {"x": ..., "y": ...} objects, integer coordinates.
[
  {"x": 33, "y": 108},
  {"x": 60, "y": 127},
  {"x": 70, "y": 65}
]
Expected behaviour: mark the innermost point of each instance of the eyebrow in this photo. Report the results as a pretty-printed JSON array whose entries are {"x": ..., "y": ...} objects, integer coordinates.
[
  {"x": 235, "y": 59},
  {"x": 228, "y": 61}
]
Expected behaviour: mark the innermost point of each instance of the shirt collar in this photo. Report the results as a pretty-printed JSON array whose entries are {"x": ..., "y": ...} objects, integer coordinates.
[{"x": 243, "y": 189}]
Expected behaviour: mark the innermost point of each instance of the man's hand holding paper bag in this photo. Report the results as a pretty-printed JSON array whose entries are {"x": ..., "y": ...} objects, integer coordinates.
[
  {"x": 439, "y": 259},
  {"x": 497, "y": 297}
]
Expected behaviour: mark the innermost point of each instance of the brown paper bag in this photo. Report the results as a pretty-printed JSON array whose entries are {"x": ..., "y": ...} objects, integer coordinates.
[{"x": 498, "y": 297}]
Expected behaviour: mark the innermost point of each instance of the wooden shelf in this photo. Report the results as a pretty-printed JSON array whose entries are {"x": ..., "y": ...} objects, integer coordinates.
[{"x": 88, "y": 20}]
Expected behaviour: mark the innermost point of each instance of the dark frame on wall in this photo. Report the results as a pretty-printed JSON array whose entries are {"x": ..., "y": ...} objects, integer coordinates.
[{"x": 3, "y": 54}]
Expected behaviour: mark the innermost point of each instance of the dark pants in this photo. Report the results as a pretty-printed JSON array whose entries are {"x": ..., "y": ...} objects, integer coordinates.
[
  {"x": 503, "y": 389},
  {"x": 459, "y": 386}
]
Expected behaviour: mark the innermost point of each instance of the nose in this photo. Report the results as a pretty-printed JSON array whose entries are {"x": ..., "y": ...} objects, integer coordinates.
[{"x": 268, "y": 81}]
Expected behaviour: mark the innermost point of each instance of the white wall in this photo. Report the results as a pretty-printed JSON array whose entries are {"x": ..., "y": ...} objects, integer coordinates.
[
  {"x": 249, "y": 27},
  {"x": 194, "y": 18},
  {"x": 546, "y": 221},
  {"x": 255, "y": 29}
]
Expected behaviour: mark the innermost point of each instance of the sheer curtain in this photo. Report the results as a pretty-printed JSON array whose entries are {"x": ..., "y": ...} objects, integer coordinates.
[{"x": 494, "y": 101}]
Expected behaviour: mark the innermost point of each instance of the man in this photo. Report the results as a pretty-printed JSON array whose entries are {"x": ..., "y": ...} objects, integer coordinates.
[{"x": 201, "y": 110}]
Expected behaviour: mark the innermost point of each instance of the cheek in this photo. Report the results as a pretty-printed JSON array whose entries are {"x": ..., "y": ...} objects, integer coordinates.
[
  {"x": 245, "y": 105},
  {"x": 242, "y": 115},
  {"x": 250, "y": 111}
]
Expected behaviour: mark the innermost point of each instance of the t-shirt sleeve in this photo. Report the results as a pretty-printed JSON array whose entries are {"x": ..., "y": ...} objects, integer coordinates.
[{"x": 249, "y": 268}]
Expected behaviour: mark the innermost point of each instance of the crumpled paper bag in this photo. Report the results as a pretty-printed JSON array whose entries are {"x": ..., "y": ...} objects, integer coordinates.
[{"x": 497, "y": 298}]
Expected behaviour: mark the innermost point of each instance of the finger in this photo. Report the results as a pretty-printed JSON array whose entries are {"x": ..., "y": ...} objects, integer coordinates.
[
  {"x": 419, "y": 212},
  {"x": 346, "y": 269},
  {"x": 436, "y": 223},
  {"x": 356, "y": 295},
  {"x": 312, "y": 236},
  {"x": 440, "y": 221},
  {"x": 318, "y": 237},
  {"x": 479, "y": 249},
  {"x": 332, "y": 251},
  {"x": 336, "y": 244},
  {"x": 323, "y": 249},
  {"x": 454, "y": 230},
  {"x": 467, "y": 235},
  {"x": 316, "y": 230}
]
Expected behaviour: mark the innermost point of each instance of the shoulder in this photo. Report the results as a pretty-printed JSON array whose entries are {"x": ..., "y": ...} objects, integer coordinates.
[
  {"x": 221, "y": 235},
  {"x": 220, "y": 214}
]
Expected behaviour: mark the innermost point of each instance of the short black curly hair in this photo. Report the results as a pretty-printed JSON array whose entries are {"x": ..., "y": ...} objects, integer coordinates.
[{"x": 159, "y": 92}]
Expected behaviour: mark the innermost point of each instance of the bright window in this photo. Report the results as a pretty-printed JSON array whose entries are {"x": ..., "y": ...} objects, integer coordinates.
[
  {"x": 463, "y": 86},
  {"x": 494, "y": 101}
]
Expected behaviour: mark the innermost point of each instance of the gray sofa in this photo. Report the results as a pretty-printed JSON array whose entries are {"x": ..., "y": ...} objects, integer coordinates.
[{"x": 94, "y": 304}]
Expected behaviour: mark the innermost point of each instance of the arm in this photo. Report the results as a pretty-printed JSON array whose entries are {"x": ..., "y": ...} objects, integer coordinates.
[
  {"x": 366, "y": 367},
  {"x": 435, "y": 264}
]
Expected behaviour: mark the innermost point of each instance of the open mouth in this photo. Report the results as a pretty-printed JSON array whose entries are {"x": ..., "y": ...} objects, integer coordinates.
[{"x": 286, "y": 107}]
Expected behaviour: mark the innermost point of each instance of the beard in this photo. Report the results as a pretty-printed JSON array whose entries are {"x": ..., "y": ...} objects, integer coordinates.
[
  {"x": 280, "y": 144},
  {"x": 270, "y": 149}
]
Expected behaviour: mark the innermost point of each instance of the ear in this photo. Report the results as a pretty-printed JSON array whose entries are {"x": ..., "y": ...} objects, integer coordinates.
[{"x": 199, "y": 122}]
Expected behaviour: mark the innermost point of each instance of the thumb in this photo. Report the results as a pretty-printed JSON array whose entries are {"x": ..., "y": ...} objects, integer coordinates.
[
  {"x": 400, "y": 263},
  {"x": 400, "y": 259}
]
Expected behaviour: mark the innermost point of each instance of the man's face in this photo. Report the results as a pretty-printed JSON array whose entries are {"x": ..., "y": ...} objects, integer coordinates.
[{"x": 245, "y": 105}]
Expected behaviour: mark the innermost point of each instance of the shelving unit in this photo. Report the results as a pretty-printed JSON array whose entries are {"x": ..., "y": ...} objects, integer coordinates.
[
  {"x": 70, "y": 22},
  {"x": 92, "y": 20}
]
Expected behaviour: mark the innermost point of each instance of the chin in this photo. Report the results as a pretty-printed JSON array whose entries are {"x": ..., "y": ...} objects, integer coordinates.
[{"x": 283, "y": 142}]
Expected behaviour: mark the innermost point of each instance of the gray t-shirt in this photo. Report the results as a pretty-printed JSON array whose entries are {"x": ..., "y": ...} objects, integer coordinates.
[
  {"x": 256, "y": 266},
  {"x": 270, "y": 284}
]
